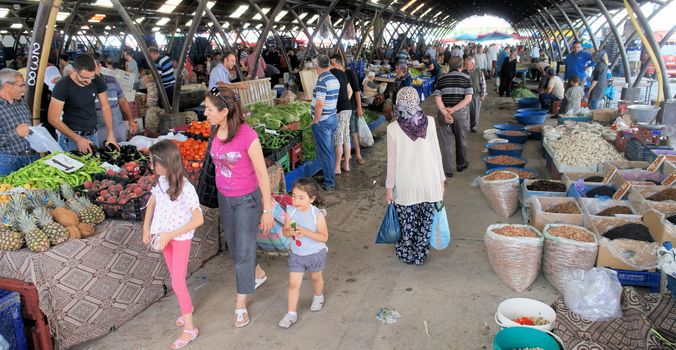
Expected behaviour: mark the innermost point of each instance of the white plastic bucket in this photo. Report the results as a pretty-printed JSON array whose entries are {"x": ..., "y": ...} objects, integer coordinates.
[{"x": 511, "y": 309}]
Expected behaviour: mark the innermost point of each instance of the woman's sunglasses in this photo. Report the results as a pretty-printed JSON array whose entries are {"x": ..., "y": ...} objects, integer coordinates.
[{"x": 215, "y": 91}]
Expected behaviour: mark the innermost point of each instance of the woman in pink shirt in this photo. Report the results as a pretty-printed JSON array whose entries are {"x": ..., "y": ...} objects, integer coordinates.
[{"x": 244, "y": 198}]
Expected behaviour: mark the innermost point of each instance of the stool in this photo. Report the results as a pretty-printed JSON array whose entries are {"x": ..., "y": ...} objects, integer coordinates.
[{"x": 554, "y": 107}]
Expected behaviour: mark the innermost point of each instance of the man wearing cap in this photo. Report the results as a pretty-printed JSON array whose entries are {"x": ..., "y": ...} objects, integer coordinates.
[{"x": 554, "y": 91}]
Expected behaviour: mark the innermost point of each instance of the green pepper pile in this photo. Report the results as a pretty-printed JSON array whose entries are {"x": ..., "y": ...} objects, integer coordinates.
[
  {"x": 40, "y": 175},
  {"x": 309, "y": 148},
  {"x": 272, "y": 142}
]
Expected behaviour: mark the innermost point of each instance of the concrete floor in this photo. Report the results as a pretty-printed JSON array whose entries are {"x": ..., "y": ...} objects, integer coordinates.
[{"x": 456, "y": 292}]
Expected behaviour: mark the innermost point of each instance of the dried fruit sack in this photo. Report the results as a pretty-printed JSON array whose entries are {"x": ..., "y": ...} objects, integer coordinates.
[{"x": 515, "y": 259}]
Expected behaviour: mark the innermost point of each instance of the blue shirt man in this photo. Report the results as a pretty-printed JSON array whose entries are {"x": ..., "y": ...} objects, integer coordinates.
[{"x": 577, "y": 62}]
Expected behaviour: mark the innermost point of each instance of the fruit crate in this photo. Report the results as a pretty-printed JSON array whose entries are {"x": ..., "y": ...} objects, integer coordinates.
[
  {"x": 35, "y": 320},
  {"x": 636, "y": 150},
  {"x": 296, "y": 155},
  {"x": 11, "y": 322},
  {"x": 640, "y": 279},
  {"x": 132, "y": 210}
]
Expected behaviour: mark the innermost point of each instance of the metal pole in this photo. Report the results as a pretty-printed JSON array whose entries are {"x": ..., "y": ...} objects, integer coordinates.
[
  {"x": 401, "y": 42},
  {"x": 44, "y": 58},
  {"x": 620, "y": 23},
  {"x": 35, "y": 51},
  {"x": 545, "y": 38},
  {"x": 187, "y": 41},
  {"x": 274, "y": 33},
  {"x": 542, "y": 18},
  {"x": 302, "y": 26},
  {"x": 618, "y": 38},
  {"x": 586, "y": 24},
  {"x": 263, "y": 37},
  {"x": 66, "y": 28},
  {"x": 558, "y": 27},
  {"x": 219, "y": 29},
  {"x": 136, "y": 33},
  {"x": 321, "y": 21},
  {"x": 570, "y": 24},
  {"x": 653, "y": 43},
  {"x": 645, "y": 64},
  {"x": 553, "y": 36}
]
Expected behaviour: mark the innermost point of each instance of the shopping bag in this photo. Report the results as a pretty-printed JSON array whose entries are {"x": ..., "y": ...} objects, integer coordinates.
[
  {"x": 206, "y": 184},
  {"x": 440, "y": 236},
  {"x": 389, "y": 230},
  {"x": 275, "y": 241},
  {"x": 41, "y": 140},
  {"x": 365, "y": 136}
]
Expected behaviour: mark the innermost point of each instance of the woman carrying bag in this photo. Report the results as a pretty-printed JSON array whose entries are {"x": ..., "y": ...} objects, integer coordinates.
[
  {"x": 244, "y": 198},
  {"x": 414, "y": 168}
]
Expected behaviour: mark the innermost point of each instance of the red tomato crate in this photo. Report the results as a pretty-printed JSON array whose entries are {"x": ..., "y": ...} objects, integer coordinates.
[{"x": 296, "y": 155}]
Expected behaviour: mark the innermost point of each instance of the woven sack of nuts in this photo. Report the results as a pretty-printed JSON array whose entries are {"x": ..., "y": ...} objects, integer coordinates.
[
  {"x": 502, "y": 195},
  {"x": 567, "y": 248},
  {"x": 515, "y": 259}
]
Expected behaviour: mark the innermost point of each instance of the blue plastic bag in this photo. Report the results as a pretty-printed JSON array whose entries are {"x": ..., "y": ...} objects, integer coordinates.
[
  {"x": 440, "y": 236},
  {"x": 389, "y": 232}
]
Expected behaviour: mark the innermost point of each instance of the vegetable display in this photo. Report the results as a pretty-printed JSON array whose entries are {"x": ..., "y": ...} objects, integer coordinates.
[
  {"x": 522, "y": 91},
  {"x": 40, "y": 175},
  {"x": 273, "y": 142},
  {"x": 309, "y": 147},
  {"x": 275, "y": 117}
]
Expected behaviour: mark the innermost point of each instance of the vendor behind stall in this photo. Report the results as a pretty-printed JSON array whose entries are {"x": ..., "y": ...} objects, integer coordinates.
[
  {"x": 122, "y": 119},
  {"x": 74, "y": 96},
  {"x": 15, "y": 120},
  {"x": 432, "y": 66}
]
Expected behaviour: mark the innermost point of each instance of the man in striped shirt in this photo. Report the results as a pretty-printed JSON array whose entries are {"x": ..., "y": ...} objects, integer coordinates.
[
  {"x": 166, "y": 71},
  {"x": 452, "y": 95},
  {"x": 325, "y": 119}
]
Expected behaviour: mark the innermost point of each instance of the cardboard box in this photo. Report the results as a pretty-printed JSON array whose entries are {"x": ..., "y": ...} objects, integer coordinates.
[
  {"x": 604, "y": 115},
  {"x": 663, "y": 228},
  {"x": 540, "y": 217},
  {"x": 592, "y": 206},
  {"x": 625, "y": 254},
  {"x": 638, "y": 195}
]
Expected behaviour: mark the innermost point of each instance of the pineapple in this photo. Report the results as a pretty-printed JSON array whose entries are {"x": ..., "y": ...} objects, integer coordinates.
[
  {"x": 61, "y": 213},
  {"x": 36, "y": 239},
  {"x": 35, "y": 199},
  {"x": 16, "y": 206},
  {"x": 67, "y": 193},
  {"x": 56, "y": 233},
  {"x": 9, "y": 239},
  {"x": 79, "y": 209},
  {"x": 92, "y": 214}
]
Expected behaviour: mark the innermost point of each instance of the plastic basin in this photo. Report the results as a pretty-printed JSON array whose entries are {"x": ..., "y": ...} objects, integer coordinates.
[
  {"x": 498, "y": 166},
  {"x": 642, "y": 113},
  {"x": 524, "y": 337},
  {"x": 509, "y": 127},
  {"x": 514, "y": 139},
  {"x": 498, "y": 152},
  {"x": 530, "y": 118},
  {"x": 528, "y": 102},
  {"x": 511, "y": 309},
  {"x": 540, "y": 110},
  {"x": 534, "y": 135},
  {"x": 530, "y": 170}
]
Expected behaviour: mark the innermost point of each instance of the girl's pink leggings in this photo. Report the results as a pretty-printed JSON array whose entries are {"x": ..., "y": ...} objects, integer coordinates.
[{"x": 176, "y": 255}]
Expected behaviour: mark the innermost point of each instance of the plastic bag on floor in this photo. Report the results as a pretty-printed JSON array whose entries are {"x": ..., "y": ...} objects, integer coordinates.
[
  {"x": 562, "y": 255},
  {"x": 594, "y": 295},
  {"x": 42, "y": 141},
  {"x": 389, "y": 232},
  {"x": 365, "y": 135},
  {"x": 516, "y": 260},
  {"x": 502, "y": 195}
]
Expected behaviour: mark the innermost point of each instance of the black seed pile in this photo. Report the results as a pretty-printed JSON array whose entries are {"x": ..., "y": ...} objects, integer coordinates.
[
  {"x": 672, "y": 219},
  {"x": 636, "y": 232},
  {"x": 546, "y": 186},
  {"x": 601, "y": 191},
  {"x": 594, "y": 179}
]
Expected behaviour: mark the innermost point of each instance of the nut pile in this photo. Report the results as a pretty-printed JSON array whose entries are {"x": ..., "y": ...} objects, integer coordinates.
[
  {"x": 618, "y": 209},
  {"x": 583, "y": 148},
  {"x": 564, "y": 208},
  {"x": 667, "y": 195},
  {"x": 505, "y": 147},
  {"x": 499, "y": 175},
  {"x": 513, "y": 133},
  {"x": 523, "y": 174},
  {"x": 505, "y": 160},
  {"x": 570, "y": 232},
  {"x": 535, "y": 128},
  {"x": 515, "y": 231}
]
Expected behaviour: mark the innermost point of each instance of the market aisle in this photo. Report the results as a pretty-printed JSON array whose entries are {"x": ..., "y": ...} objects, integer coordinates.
[{"x": 456, "y": 292}]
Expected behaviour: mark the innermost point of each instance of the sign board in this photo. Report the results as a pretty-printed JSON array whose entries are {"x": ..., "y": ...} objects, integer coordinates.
[{"x": 124, "y": 78}]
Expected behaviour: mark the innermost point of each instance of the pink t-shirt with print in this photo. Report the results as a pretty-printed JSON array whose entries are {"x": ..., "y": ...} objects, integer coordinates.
[{"x": 235, "y": 174}]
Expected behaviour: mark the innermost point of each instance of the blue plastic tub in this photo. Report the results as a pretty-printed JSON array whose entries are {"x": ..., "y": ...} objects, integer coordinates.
[
  {"x": 563, "y": 119},
  {"x": 528, "y": 102},
  {"x": 497, "y": 152},
  {"x": 498, "y": 166},
  {"x": 540, "y": 110},
  {"x": 530, "y": 170},
  {"x": 514, "y": 139},
  {"x": 509, "y": 126},
  {"x": 524, "y": 337},
  {"x": 528, "y": 118}
]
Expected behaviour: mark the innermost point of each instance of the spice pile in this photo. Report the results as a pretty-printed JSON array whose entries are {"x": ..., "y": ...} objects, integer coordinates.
[
  {"x": 523, "y": 174},
  {"x": 546, "y": 186},
  {"x": 667, "y": 195},
  {"x": 535, "y": 128},
  {"x": 601, "y": 191},
  {"x": 672, "y": 219},
  {"x": 594, "y": 178},
  {"x": 583, "y": 149},
  {"x": 612, "y": 211},
  {"x": 570, "y": 232},
  {"x": 564, "y": 208},
  {"x": 515, "y": 231},
  {"x": 513, "y": 133},
  {"x": 637, "y": 232},
  {"x": 499, "y": 175},
  {"x": 505, "y": 160},
  {"x": 505, "y": 147}
]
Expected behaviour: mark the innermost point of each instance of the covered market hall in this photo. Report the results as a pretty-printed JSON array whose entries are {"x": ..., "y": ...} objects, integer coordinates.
[{"x": 367, "y": 174}]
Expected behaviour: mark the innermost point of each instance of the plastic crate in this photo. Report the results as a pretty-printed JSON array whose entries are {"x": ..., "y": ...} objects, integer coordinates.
[
  {"x": 296, "y": 155},
  {"x": 563, "y": 119},
  {"x": 376, "y": 123},
  {"x": 312, "y": 167},
  {"x": 636, "y": 150},
  {"x": 640, "y": 279},
  {"x": 293, "y": 175},
  {"x": 284, "y": 162},
  {"x": 133, "y": 210},
  {"x": 11, "y": 322}
]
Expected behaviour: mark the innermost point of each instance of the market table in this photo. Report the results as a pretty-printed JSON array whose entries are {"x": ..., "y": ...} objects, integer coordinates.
[{"x": 88, "y": 287}]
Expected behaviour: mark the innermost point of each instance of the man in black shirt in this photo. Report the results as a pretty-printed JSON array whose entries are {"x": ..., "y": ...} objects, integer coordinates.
[
  {"x": 74, "y": 96},
  {"x": 341, "y": 137}
]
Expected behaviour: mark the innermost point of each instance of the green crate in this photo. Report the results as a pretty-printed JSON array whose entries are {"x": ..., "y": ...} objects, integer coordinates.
[{"x": 284, "y": 162}]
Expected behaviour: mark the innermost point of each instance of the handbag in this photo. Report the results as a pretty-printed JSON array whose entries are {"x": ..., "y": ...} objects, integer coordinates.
[
  {"x": 440, "y": 236},
  {"x": 275, "y": 241},
  {"x": 206, "y": 185},
  {"x": 389, "y": 232}
]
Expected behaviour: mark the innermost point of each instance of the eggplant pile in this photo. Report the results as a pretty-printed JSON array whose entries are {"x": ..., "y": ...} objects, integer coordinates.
[{"x": 117, "y": 156}]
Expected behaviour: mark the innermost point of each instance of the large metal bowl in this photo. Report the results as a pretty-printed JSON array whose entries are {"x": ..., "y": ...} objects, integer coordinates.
[{"x": 642, "y": 113}]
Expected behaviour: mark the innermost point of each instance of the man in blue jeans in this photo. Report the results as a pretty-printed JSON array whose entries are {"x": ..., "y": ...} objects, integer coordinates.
[
  {"x": 325, "y": 119},
  {"x": 15, "y": 120}
]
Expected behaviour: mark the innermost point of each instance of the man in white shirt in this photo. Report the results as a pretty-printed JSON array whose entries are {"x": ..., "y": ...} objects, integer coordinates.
[
  {"x": 554, "y": 90},
  {"x": 492, "y": 56},
  {"x": 535, "y": 53},
  {"x": 219, "y": 76}
]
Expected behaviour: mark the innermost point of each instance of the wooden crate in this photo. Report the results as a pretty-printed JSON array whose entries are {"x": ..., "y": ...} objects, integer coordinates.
[{"x": 259, "y": 91}]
